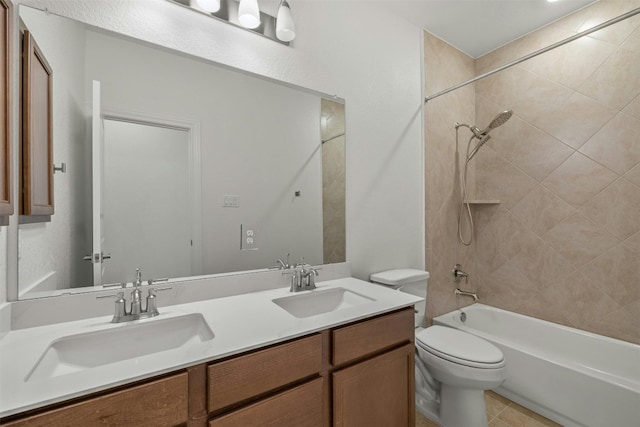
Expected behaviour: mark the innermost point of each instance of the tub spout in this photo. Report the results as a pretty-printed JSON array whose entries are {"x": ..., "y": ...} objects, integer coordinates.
[{"x": 458, "y": 291}]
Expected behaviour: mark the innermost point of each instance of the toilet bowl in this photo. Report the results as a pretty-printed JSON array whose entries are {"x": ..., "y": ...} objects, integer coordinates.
[{"x": 452, "y": 367}]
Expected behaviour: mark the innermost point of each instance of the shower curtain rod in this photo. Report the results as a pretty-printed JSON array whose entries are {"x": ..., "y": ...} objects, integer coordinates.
[{"x": 536, "y": 53}]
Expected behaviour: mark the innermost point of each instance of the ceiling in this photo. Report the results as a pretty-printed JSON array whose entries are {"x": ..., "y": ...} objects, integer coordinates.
[{"x": 477, "y": 27}]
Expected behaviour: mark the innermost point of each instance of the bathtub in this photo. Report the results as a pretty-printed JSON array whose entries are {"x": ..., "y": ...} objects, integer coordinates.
[{"x": 573, "y": 377}]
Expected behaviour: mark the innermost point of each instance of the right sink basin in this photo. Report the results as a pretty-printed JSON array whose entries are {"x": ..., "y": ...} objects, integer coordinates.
[{"x": 320, "y": 302}]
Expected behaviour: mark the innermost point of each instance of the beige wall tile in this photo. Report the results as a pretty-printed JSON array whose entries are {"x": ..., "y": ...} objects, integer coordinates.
[
  {"x": 502, "y": 239},
  {"x": 634, "y": 175},
  {"x": 616, "y": 145},
  {"x": 616, "y": 273},
  {"x": 579, "y": 240},
  {"x": 633, "y": 243},
  {"x": 574, "y": 121},
  {"x": 496, "y": 178},
  {"x": 579, "y": 179},
  {"x": 579, "y": 299},
  {"x": 623, "y": 324},
  {"x": 608, "y": 10},
  {"x": 542, "y": 264},
  {"x": 572, "y": 63},
  {"x": 523, "y": 46},
  {"x": 633, "y": 41},
  {"x": 616, "y": 209},
  {"x": 617, "y": 81},
  {"x": 541, "y": 210},
  {"x": 526, "y": 93},
  {"x": 633, "y": 109}
]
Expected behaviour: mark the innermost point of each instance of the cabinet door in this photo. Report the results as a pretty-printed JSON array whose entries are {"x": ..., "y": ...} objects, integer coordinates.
[
  {"x": 6, "y": 199},
  {"x": 301, "y": 406},
  {"x": 37, "y": 130},
  {"x": 377, "y": 392}
]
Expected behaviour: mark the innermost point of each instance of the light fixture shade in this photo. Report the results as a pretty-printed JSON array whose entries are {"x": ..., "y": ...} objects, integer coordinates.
[
  {"x": 249, "y": 13},
  {"x": 285, "y": 27},
  {"x": 209, "y": 5}
]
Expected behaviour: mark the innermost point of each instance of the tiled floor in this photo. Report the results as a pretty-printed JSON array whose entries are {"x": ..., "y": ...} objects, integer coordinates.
[{"x": 502, "y": 412}]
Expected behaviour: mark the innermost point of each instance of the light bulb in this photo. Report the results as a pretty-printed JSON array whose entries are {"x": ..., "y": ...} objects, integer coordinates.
[
  {"x": 285, "y": 27},
  {"x": 249, "y": 13},
  {"x": 209, "y": 5}
]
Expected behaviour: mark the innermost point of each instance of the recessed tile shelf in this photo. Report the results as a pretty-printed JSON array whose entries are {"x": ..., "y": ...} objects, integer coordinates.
[{"x": 483, "y": 202}]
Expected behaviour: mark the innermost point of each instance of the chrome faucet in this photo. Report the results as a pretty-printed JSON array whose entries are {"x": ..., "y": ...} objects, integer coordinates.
[
  {"x": 460, "y": 292},
  {"x": 283, "y": 265},
  {"x": 136, "y": 310},
  {"x": 458, "y": 273},
  {"x": 308, "y": 277},
  {"x": 303, "y": 278}
]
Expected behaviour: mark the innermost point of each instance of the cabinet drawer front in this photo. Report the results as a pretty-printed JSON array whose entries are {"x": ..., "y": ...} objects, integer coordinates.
[
  {"x": 158, "y": 403},
  {"x": 369, "y": 336},
  {"x": 298, "y": 407},
  {"x": 244, "y": 377}
]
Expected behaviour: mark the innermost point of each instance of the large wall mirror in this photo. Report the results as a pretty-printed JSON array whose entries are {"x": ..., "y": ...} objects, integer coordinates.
[{"x": 177, "y": 166}]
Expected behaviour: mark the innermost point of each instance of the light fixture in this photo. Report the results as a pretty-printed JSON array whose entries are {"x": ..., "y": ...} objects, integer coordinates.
[
  {"x": 285, "y": 27},
  {"x": 249, "y": 13},
  {"x": 211, "y": 6},
  {"x": 246, "y": 14}
]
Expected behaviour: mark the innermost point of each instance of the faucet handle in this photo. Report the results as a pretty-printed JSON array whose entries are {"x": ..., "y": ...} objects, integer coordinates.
[{"x": 138, "y": 281}]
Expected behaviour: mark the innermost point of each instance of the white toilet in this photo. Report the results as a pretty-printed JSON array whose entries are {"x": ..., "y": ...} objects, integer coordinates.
[{"x": 453, "y": 368}]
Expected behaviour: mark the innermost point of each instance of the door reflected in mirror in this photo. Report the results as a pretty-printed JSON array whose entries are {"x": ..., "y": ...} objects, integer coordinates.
[{"x": 265, "y": 154}]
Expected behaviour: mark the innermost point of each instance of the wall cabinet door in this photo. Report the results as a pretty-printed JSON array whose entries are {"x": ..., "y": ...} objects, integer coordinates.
[
  {"x": 6, "y": 161},
  {"x": 377, "y": 392},
  {"x": 37, "y": 130}
]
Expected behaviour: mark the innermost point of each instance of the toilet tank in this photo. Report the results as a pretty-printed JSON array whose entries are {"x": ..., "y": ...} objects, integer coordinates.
[{"x": 409, "y": 280}]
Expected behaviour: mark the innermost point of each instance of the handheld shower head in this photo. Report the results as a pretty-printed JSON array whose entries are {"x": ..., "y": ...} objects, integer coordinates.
[
  {"x": 483, "y": 136},
  {"x": 498, "y": 120}
]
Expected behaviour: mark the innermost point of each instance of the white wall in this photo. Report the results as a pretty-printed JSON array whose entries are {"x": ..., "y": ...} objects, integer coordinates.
[{"x": 350, "y": 48}]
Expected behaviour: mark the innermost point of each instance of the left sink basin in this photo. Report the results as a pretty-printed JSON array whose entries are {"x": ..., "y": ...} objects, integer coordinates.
[{"x": 93, "y": 349}]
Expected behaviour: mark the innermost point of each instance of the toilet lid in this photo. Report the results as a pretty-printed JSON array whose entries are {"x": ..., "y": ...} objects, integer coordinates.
[{"x": 459, "y": 347}]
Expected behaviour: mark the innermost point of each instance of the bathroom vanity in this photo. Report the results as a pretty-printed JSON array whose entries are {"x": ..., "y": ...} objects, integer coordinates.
[{"x": 319, "y": 370}]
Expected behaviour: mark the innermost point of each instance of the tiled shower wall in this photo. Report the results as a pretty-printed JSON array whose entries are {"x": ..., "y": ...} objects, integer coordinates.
[
  {"x": 444, "y": 67},
  {"x": 564, "y": 244}
]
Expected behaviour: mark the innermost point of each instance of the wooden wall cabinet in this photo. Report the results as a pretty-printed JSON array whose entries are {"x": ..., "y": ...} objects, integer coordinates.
[
  {"x": 6, "y": 87},
  {"x": 37, "y": 130},
  {"x": 358, "y": 375}
]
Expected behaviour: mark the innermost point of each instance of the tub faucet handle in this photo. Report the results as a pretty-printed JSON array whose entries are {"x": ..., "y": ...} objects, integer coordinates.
[{"x": 458, "y": 273}]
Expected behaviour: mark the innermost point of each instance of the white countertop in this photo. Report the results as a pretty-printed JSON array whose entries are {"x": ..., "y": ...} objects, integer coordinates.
[{"x": 240, "y": 323}]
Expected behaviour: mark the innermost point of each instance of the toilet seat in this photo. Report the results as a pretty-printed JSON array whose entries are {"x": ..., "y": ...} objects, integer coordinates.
[{"x": 460, "y": 347}]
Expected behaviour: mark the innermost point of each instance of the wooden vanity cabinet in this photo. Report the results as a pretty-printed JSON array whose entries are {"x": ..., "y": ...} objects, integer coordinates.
[
  {"x": 378, "y": 390},
  {"x": 356, "y": 375},
  {"x": 242, "y": 378},
  {"x": 301, "y": 406},
  {"x": 160, "y": 402}
]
